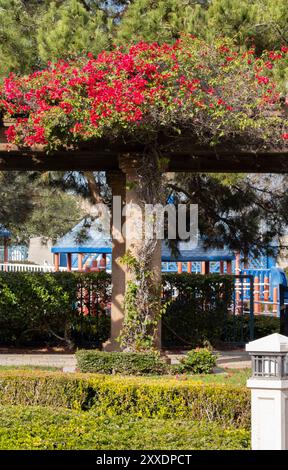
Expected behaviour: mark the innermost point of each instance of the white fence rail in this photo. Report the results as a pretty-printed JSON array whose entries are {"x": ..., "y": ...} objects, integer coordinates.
[
  {"x": 21, "y": 267},
  {"x": 33, "y": 268}
]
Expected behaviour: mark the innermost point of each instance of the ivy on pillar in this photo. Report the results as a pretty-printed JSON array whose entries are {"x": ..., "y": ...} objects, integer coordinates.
[
  {"x": 141, "y": 326},
  {"x": 136, "y": 259}
]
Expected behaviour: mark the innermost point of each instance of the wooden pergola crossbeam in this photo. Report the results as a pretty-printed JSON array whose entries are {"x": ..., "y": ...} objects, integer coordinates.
[{"x": 101, "y": 158}]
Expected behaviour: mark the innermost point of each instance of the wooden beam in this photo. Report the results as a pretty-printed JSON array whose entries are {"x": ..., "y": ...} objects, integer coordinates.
[
  {"x": 58, "y": 161},
  {"x": 185, "y": 158},
  {"x": 197, "y": 163}
]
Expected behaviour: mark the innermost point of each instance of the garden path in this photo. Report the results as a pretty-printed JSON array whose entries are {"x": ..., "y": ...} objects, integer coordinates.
[{"x": 237, "y": 359}]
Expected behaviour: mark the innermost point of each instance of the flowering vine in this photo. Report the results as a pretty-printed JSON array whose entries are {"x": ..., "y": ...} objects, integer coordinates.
[{"x": 214, "y": 92}]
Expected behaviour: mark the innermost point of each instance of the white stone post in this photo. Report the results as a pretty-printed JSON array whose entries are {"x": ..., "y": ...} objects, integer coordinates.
[{"x": 269, "y": 392}]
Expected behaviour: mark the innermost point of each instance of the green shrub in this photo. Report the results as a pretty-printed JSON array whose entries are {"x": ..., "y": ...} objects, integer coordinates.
[
  {"x": 198, "y": 361},
  {"x": 238, "y": 325},
  {"x": 120, "y": 363},
  {"x": 37, "y": 307},
  {"x": 265, "y": 325},
  {"x": 48, "y": 428},
  {"x": 44, "y": 307},
  {"x": 199, "y": 312},
  {"x": 141, "y": 397}
]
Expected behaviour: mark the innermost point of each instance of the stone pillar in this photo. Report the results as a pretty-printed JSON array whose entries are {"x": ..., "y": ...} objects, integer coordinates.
[
  {"x": 117, "y": 182},
  {"x": 156, "y": 266},
  {"x": 269, "y": 392},
  {"x": 130, "y": 167},
  {"x": 125, "y": 184}
]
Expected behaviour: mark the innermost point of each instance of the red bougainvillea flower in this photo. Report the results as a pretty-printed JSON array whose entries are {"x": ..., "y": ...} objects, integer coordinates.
[
  {"x": 11, "y": 133},
  {"x": 212, "y": 92}
]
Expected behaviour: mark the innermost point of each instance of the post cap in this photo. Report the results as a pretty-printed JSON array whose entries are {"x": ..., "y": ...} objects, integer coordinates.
[{"x": 272, "y": 343}]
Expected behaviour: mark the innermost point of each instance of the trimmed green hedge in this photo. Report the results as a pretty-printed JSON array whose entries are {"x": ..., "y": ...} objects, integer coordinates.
[
  {"x": 139, "y": 397},
  {"x": 265, "y": 325},
  {"x": 239, "y": 326},
  {"x": 120, "y": 363},
  {"x": 197, "y": 361},
  {"x": 44, "y": 307},
  {"x": 199, "y": 312},
  {"x": 35, "y": 428},
  {"x": 49, "y": 307}
]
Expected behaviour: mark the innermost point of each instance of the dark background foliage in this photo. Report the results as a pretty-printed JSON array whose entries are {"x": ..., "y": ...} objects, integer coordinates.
[{"x": 53, "y": 308}]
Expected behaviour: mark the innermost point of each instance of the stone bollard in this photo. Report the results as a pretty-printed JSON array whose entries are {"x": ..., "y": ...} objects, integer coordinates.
[{"x": 269, "y": 392}]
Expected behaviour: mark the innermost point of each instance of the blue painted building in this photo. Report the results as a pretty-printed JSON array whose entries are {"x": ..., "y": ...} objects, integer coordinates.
[
  {"x": 96, "y": 242},
  {"x": 86, "y": 243}
]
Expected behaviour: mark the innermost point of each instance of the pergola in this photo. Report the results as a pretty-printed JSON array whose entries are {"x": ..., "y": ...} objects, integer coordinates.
[{"x": 182, "y": 155}]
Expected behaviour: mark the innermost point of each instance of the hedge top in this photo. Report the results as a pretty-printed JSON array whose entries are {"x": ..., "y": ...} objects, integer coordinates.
[
  {"x": 115, "y": 396},
  {"x": 164, "y": 381}
]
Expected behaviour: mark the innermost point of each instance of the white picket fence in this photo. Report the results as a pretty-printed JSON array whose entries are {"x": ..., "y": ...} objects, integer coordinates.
[{"x": 21, "y": 267}]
